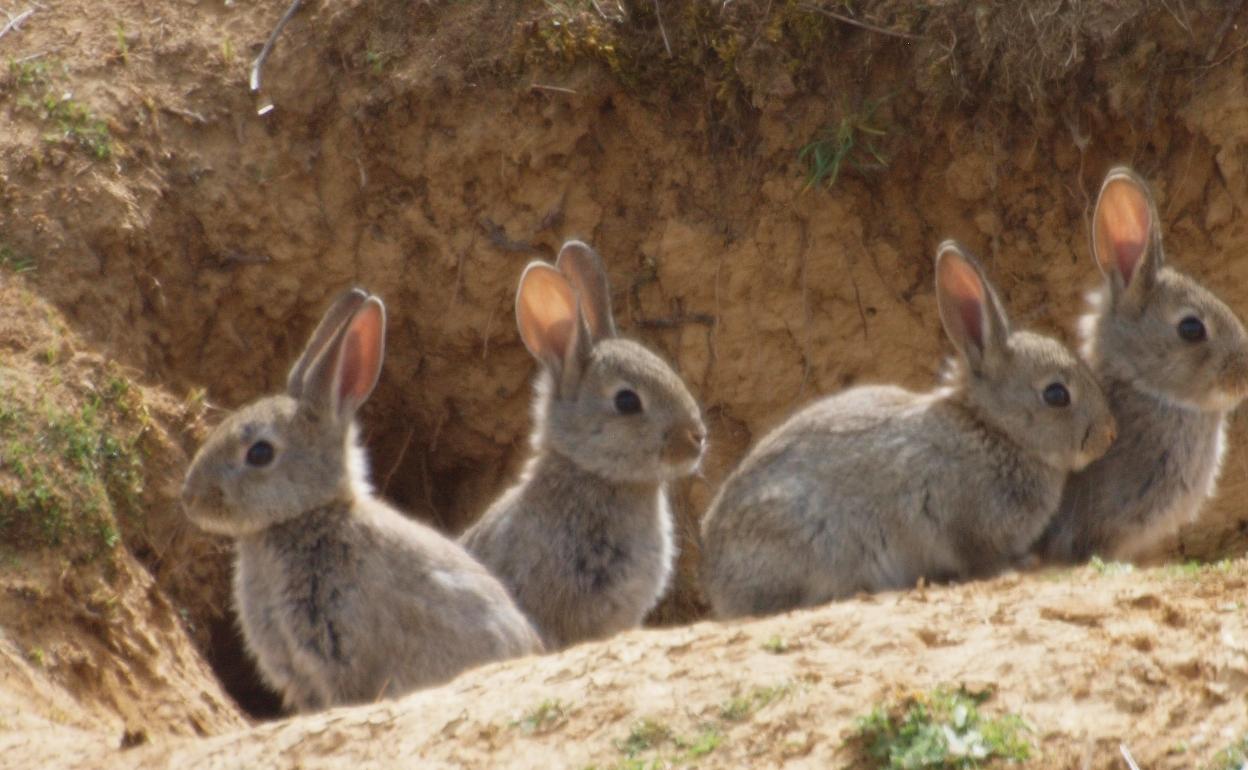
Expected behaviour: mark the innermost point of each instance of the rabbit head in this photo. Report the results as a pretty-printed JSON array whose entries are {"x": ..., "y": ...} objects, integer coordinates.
[
  {"x": 607, "y": 404},
  {"x": 283, "y": 455},
  {"x": 1027, "y": 386},
  {"x": 1151, "y": 325}
]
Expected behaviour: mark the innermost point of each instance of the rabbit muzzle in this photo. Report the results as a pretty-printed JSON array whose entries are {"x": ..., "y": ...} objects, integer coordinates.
[
  {"x": 1097, "y": 440},
  {"x": 1232, "y": 385},
  {"x": 202, "y": 503},
  {"x": 683, "y": 449}
]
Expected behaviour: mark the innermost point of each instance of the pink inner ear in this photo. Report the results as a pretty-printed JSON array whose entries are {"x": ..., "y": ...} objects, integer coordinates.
[
  {"x": 546, "y": 312},
  {"x": 1123, "y": 225},
  {"x": 350, "y": 375},
  {"x": 1128, "y": 253},
  {"x": 559, "y": 332},
  {"x": 970, "y": 309}
]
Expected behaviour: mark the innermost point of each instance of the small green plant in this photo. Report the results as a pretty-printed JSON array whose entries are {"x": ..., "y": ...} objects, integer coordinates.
[
  {"x": 941, "y": 729},
  {"x": 852, "y": 142},
  {"x": 66, "y": 472},
  {"x": 29, "y": 74},
  {"x": 74, "y": 123},
  {"x": 123, "y": 47},
  {"x": 649, "y": 735},
  {"x": 376, "y": 61},
  {"x": 543, "y": 718},
  {"x": 776, "y": 645},
  {"x": 1110, "y": 568},
  {"x": 743, "y": 706},
  {"x": 1192, "y": 568},
  {"x": 645, "y": 735},
  {"x": 1233, "y": 757},
  {"x": 37, "y": 656},
  {"x": 14, "y": 261}
]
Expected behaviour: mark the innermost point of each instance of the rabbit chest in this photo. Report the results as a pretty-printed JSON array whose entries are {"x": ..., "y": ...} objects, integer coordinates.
[
  {"x": 296, "y": 589},
  {"x": 582, "y": 556},
  {"x": 1155, "y": 477}
]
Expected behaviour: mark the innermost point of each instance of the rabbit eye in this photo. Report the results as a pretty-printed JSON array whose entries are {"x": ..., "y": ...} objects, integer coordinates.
[
  {"x": 627, "y": 401},
  {"x": 260, "y": 454},
  {"x": 1192, "y": 329},
  {"x": 1056, "y": 395}
]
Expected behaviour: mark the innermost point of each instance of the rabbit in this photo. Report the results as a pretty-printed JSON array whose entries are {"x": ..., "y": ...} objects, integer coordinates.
[
  {"x": 878, "y": 487},
  {"x": 1173, "y": 362},
  {"x": 341, "y": 598},
  {"x": 584, "y": 539}
]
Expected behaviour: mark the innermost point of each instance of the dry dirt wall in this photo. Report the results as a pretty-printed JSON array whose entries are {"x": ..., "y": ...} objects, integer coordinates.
[{"x": 423, "y": 151}]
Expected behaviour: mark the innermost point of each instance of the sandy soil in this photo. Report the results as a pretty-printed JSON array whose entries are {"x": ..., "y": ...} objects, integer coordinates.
[{"x": 1154, "y": 660}]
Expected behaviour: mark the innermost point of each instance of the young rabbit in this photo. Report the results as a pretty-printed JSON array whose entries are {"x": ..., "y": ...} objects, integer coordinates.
[
  {"x": 876, "y": 487},
  {"x": 341, "y": 598},
  {"x": 1173, "y": 361},
  {"x": 584, "y": 540}
]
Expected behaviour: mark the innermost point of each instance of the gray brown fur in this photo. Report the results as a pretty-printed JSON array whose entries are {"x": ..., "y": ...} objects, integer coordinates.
[
  {"x": 877, "y": 487},
  {"x": 341, "y": 598},
  {"x": 1170, "y": 396},
  {"x": 584, "y": 539}
]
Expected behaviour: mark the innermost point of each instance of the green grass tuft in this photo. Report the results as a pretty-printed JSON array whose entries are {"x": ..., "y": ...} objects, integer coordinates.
[
  {"x": 854, "y": 142},
  {"x": 1233, "y": 757},
  {"x": 72, "y": 123},
  {"x": 742, "y": 707},
  {"x": 1103, "y": 567},
  {"x": 68, "y": 470},
  {"x": 776, "y": 645},
  {"x": 941, "y": 729},
  {"x": 543, "y": 718},
  {"x": 14, "y": 261}
]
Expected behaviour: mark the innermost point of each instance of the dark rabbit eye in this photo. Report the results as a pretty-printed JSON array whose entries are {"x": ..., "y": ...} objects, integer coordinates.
[
  {"x": 1192, "y": 329},
  {"x": 1056, "y": 395},
  {"x": 260, "y": 454},
  {"x": 627, "y": 402}
]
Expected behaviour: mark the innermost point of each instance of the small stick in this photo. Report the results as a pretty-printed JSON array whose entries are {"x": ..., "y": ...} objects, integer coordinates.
[
  {"x": 658, "y": 14},
  {"x": 857, "y": 23},
  {"x": 544, "y": 87},
  {"x": 187, "y": 115},
  {"x": 1126, "y": 755},
  {"x": 14, "y": 21},
  {"x": 268, "y": 47}
]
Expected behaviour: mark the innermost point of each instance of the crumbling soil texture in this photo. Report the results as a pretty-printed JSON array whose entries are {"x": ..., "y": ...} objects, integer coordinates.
[{"x": 428, "y": 150}]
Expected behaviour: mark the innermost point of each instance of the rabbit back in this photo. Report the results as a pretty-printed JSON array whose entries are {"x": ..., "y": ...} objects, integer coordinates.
[
  {"x": 870, "y": 490},
  {"x": 348, "y": 606}
]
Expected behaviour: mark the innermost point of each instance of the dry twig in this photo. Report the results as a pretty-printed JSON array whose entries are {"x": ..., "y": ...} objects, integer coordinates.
[
  {"x": 658, "y": 14},
  {"x": 15, "y": 21}
]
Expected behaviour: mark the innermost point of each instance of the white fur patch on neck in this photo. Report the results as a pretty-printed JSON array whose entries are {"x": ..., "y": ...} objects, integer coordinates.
[
  {"x": 543, "y": 392},
  {"x": 1097, "y": 305},
  {"x": 357, "y": 464}
]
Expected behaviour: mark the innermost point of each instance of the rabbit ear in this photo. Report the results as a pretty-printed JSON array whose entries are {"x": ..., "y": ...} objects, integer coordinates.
[
  {"x": 337, "y": 314},
  {"x": 551, "y": 323},
  {"x": 969, "y": 308},
  {"x": 584, "y": 270},
  {"x": 343, "y": 376},
  {"x": 1125, "y": 239}
]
